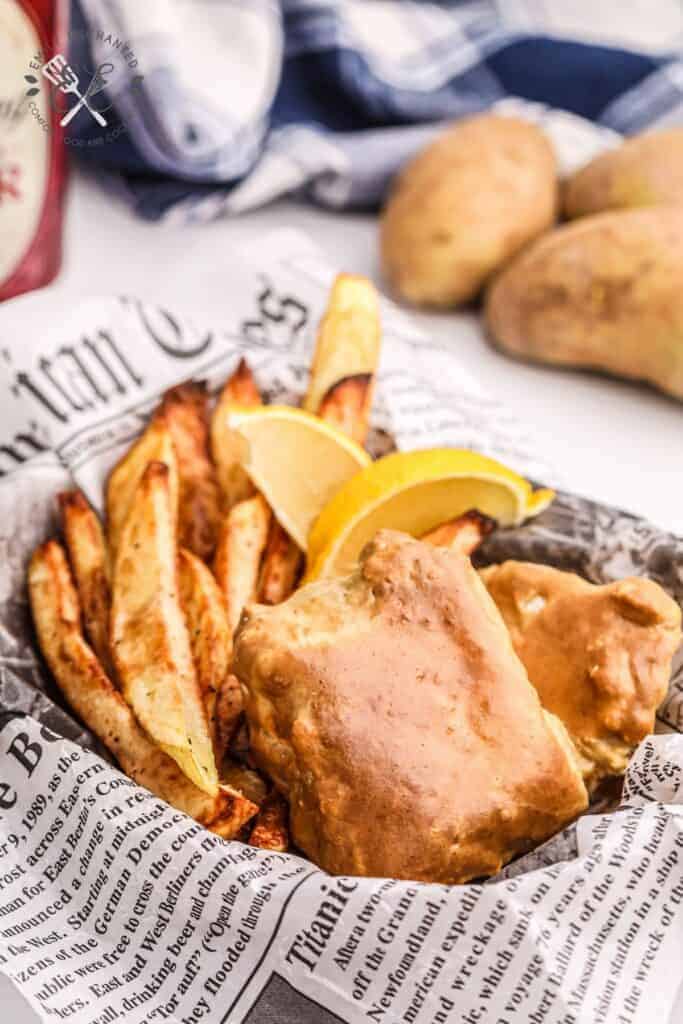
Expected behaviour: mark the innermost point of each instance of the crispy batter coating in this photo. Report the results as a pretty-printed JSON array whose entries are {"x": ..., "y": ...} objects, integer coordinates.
[
  {"x": 245, "y": 780},
  {"x": 229, "y": 707},
  {"x": 599, "y": 656},
  {"x": 391, "y": 710}
]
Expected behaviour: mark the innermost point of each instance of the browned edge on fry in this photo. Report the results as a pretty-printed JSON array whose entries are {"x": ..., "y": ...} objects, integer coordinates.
[
  {"x": 241, "y": 544},
  {"x": 344, "y": 366},
  {"x": 89, "y": 560},
  {"x": 185, "y": 409},
  {"x": 91, "y": 694},
  {"x": 239, "y": 390},
  {"x": 149, "y": 635},
  {"x": 464, "y": 533},
  {"x": 282, "y": 565}
]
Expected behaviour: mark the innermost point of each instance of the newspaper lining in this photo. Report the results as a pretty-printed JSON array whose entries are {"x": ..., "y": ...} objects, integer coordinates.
[{"x": 115, "y": 907}]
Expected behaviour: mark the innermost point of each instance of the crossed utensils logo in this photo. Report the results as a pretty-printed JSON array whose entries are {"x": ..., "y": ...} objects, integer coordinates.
[{"x": 60, "y": 74}]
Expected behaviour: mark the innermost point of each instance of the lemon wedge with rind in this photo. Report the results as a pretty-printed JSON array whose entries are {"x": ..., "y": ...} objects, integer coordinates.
[
  {"x": 414, "y": 492},
  {"x": 296, "y": 460}
]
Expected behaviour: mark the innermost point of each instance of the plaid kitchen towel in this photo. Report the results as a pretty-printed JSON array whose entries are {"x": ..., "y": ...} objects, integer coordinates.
[{"x": 217, "y": 106}]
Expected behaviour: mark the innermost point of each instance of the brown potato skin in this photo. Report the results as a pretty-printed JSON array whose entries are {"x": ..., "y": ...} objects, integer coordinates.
[
  {"x": 646, "y": 170},
  {"x": 463, "y": 206},
  {"x": 603, "y": 293}
]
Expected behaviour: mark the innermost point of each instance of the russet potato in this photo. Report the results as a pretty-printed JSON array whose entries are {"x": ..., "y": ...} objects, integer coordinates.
[
  {"x": 463, "y": 206},
  {"x": 604, "y": 293},
  {"x": 644, "y": 171}
]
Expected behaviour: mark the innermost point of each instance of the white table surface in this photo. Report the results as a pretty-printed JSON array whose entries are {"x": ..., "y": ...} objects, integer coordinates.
[
  {"x": 617, "y": 442},
  {"x": 611, "y": 440}
]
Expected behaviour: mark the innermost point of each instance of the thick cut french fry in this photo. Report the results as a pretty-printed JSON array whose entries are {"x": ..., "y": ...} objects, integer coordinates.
[
  {"x": 239, "y": 390},
  {"x": 154, "y": 445},
  {"x": 237, "y": 810},
  {"x": 241, "y": 543},
  {"x": 89, "y": 691},
  {"x": 89, "y": 561},
  {"x": 281, "y": 565},
  {"x": 210, "y": 638},
  {"x": 346, "y": 406},
  {"x": 463, "y": 534},
  {"x": 149, "y": 637},
  {"x": 186, "y": 412},
  {"x": 271, "y": 831},
  {"x": 346, "y": 357}
]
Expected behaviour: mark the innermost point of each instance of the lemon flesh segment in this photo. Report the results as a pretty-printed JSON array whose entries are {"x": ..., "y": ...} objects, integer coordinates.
[
  {"x": 297, "y": 461},
  {"x": 414, "y": 492}
]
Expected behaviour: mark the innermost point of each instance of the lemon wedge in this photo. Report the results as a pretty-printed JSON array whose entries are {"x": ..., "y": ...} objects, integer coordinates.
[
  {"x": 295, "y": 459},
  {"x": 414, "y": 492}
]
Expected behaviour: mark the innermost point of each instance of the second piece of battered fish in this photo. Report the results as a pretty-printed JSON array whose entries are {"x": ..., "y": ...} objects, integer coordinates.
[
  {"x": 391, "y": 710},
  {"x": 599, "y": 656}
]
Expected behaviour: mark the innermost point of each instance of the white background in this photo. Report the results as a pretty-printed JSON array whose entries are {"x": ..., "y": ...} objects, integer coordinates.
[{"x": 617, "y": 442}]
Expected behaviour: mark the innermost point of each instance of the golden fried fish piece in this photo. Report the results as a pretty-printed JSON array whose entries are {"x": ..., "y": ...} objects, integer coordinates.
[
  {"x": 391, "y": 710},
  {"x": 599, "y": 656}
]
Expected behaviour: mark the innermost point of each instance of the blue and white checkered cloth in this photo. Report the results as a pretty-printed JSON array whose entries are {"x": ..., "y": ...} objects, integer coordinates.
[{"x": 241, "y": 102}]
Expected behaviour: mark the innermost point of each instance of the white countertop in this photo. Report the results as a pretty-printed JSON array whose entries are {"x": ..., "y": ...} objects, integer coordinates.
[
  {"x": 611, "y": 440},
  {"x": 617, "y": 442}
]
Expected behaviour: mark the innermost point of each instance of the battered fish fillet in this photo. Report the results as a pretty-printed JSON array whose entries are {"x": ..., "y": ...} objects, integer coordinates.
[
  {"x": 599, "y": 656},
  {"x": 391, "y": 710}
]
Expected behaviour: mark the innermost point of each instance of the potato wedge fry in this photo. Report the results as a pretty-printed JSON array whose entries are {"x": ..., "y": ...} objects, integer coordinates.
[
  {"x": 234, "y": 484},
  {"x": 149, "y": 637},
  {"x": 346, "y": 356},
  {"x": 346, "y": 405},
  {"x": 271, "y": 831},
  {"x": 240, "y": 388},
  {"x": 186, "y": 412},
  {"x": 463, "y": 534},
  {"x": 237, "y": 811},
  {"x": 89, "y": 561},
  {"x": 89, "y": 691},
  {"x": 281, "y": 565},
  {"x": 210, "y": 638},
  {"x": 154, "y": 445},
  {"x": 241, "y": 544}
]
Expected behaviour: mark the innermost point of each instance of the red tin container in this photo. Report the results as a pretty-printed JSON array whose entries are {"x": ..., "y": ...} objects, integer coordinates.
[{"x": 32, "y": 151}]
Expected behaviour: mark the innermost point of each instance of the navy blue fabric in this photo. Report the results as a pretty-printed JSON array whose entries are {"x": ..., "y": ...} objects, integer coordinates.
[
  {"x": 334, "y": 89},
  {"x": 309, "y": 93},
  {"x": 568, "y": 75}
]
